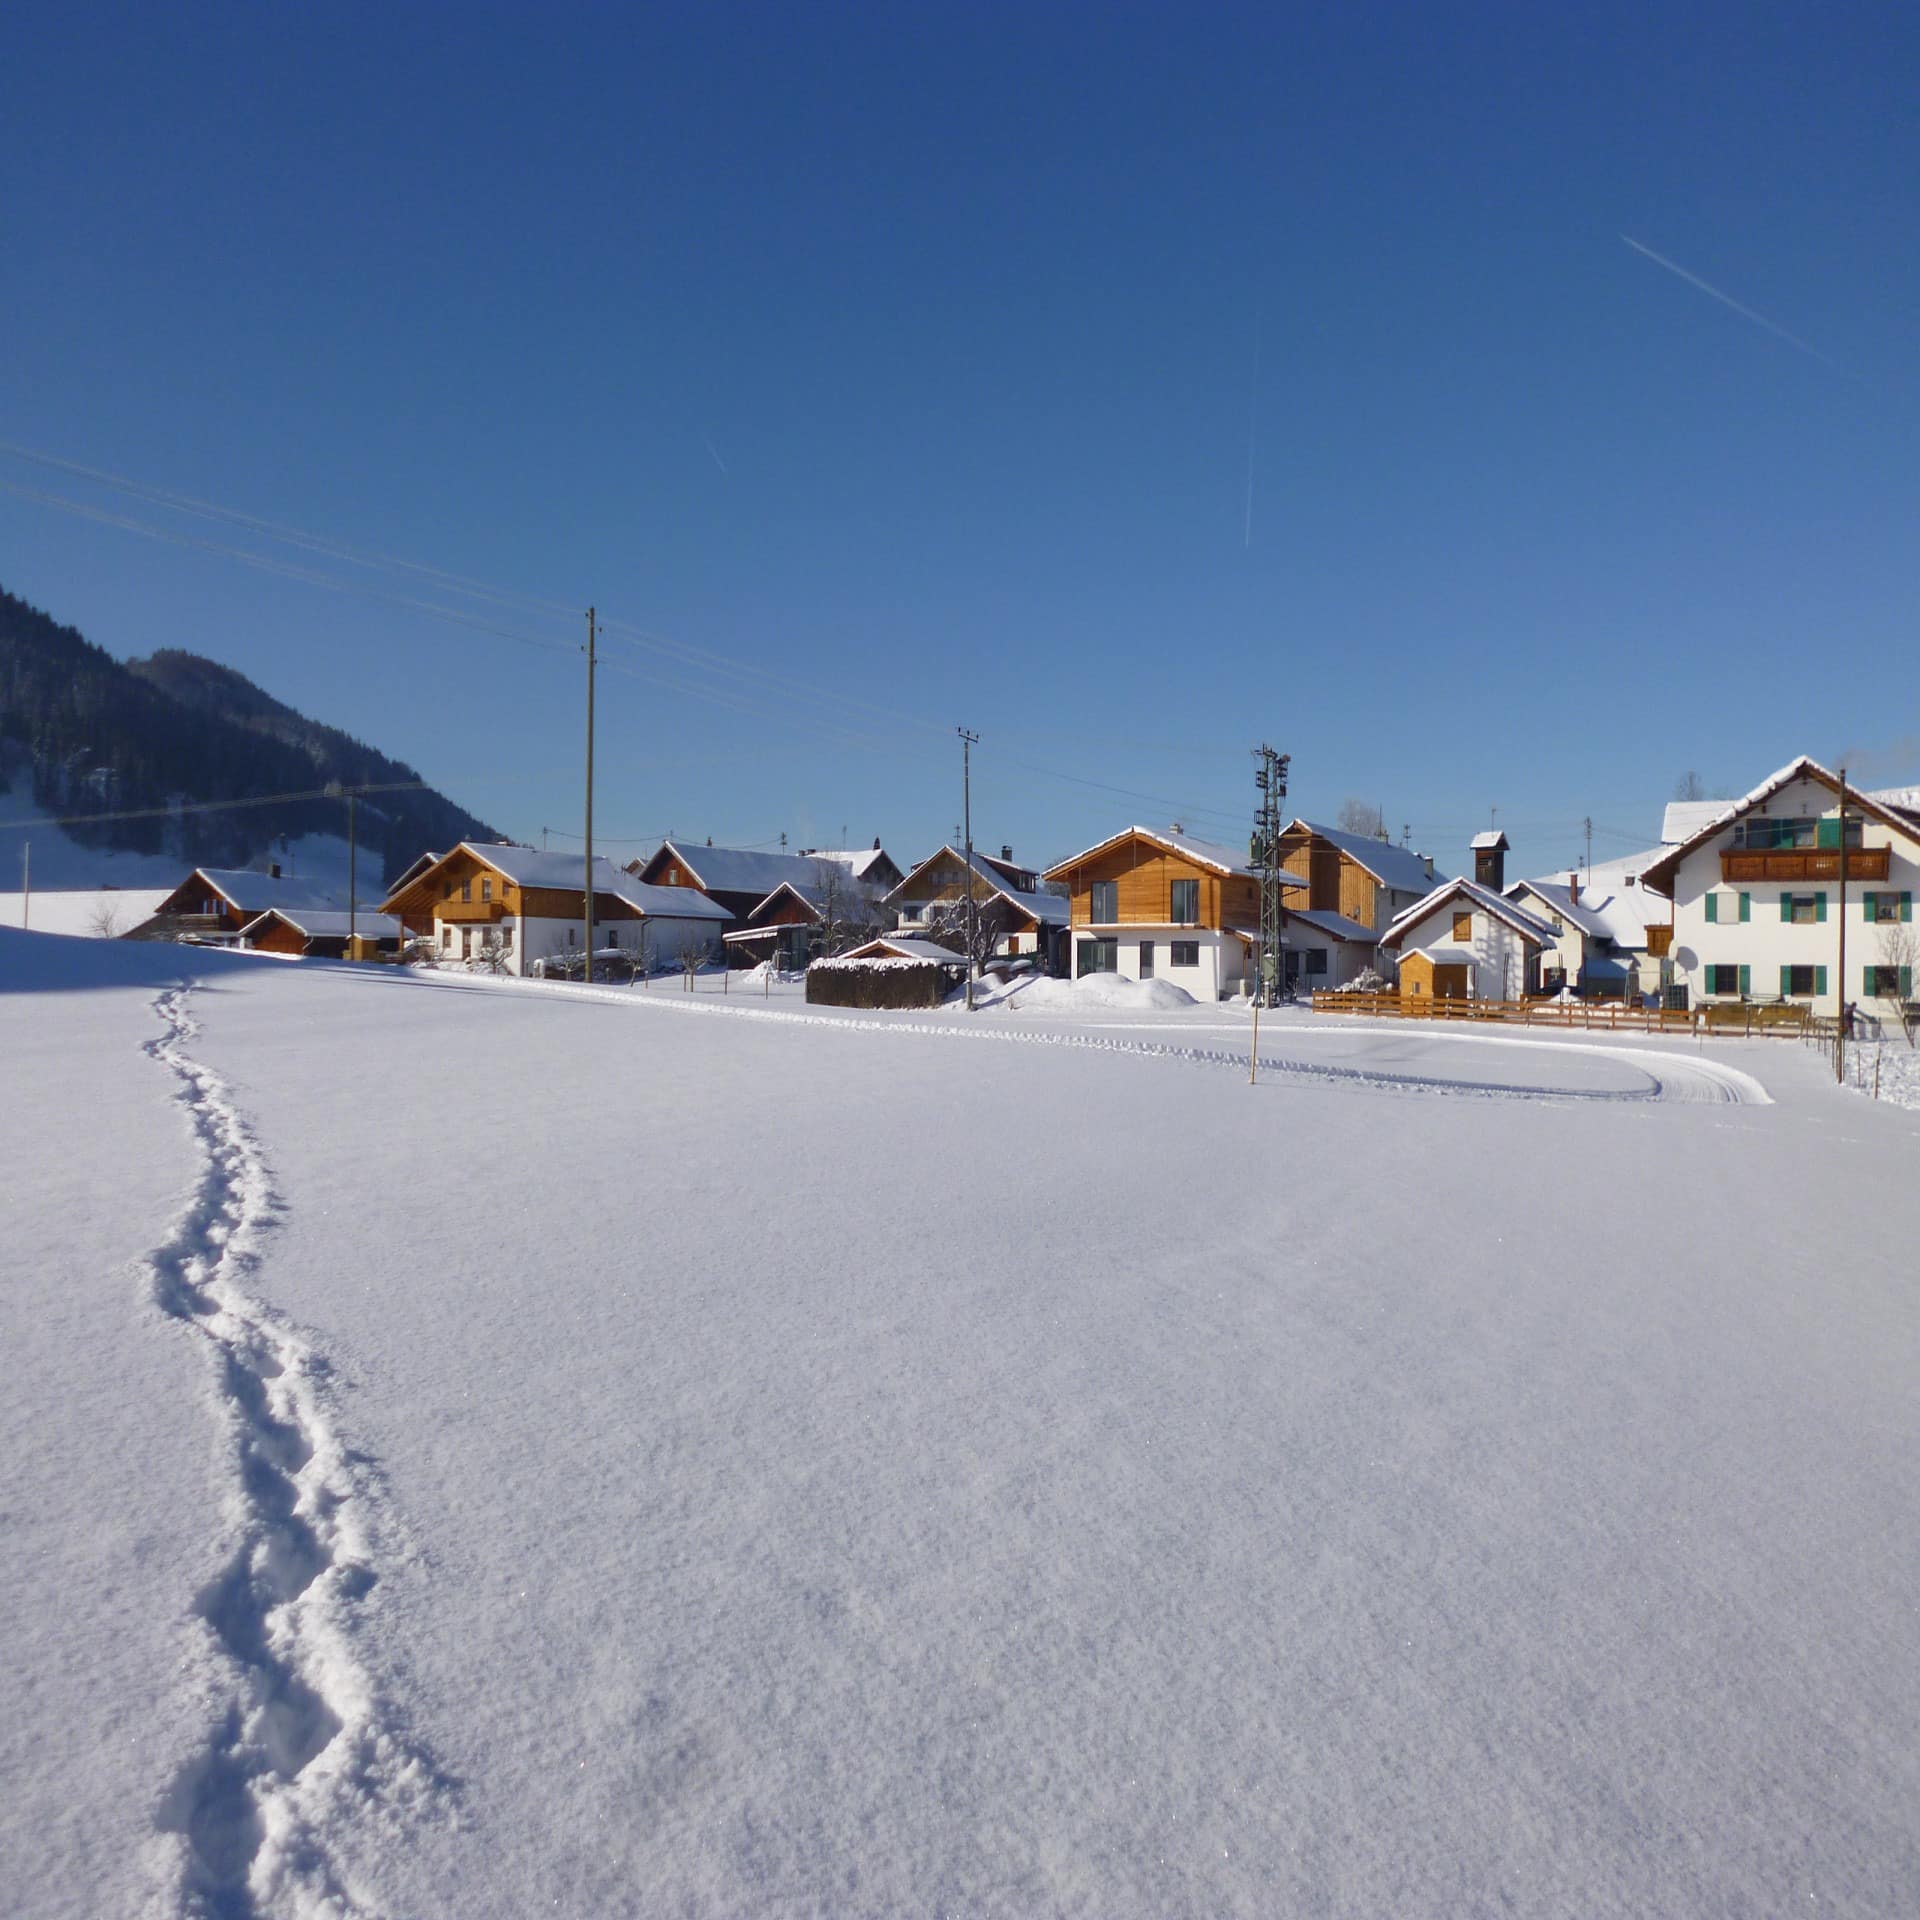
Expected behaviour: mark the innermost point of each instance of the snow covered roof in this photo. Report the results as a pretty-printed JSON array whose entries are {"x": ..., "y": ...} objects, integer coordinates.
[
  {"x": 1336, "y": 924},
  {"x": 1556, "y": 896},
  {"x": 1608, "y": 908},
  {"x": 248, "y": 891},
  {"x": 1047, "y": 908},
  {"x": 1528, "y": 926},
  {"x": 1488, "y": 841},
  {"x": 858, "y": 861},
  {"x": 565, "y": 873},
  {"x": 1659, "y": 875},
  {"x": 1684, "y": 818},
  {"x": 328, "y": 923},
  {"x": 748, "y": 869},
  {"x": 1397, "y": 868},
  {"x": 890, "y": 946},
  {"x": 1205, "y": 853}
]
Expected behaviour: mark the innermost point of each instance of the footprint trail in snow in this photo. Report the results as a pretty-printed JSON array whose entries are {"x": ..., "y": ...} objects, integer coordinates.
[{"x": 300, "y": 1740}]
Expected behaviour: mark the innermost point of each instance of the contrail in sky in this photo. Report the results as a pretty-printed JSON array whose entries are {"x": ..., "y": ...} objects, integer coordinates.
[
  {"x": 1726, "y": 300},
  {"x": 1253, "y": 408},
  {"x": 712, "y": 449}
]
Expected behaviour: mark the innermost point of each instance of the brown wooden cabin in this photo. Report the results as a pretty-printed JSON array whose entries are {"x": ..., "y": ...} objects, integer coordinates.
[{"x": 324, "y": 934}]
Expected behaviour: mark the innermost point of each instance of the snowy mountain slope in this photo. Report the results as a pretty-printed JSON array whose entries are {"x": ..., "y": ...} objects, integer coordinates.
[{"x": 1244, "y": 1503}]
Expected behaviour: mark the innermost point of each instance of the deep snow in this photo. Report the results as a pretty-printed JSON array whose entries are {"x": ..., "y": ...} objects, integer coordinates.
[{"x": 762, "y": 1461}]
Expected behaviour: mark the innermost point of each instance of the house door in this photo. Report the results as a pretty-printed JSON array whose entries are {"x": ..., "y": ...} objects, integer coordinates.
[{"x": 1146, "y": 959}]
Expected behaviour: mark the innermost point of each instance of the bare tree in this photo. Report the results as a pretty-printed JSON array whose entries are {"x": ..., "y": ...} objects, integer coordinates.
[
  {"x": 103, "y": 923},
  {"x": 1900, "y": 960},
  {"x": 846, "y": 907},
  {"x": 992, "y": 920},
  {"x": 493, "y": 955},
  {"x": 1362, "y": 817},
  {"x": 1689, "y": 786},
  {"x": 693, "y": 947}
]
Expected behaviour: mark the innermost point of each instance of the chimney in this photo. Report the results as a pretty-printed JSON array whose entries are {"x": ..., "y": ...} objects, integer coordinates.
[
  {"x": 1573, "y": 888},
  {"x": 1006, "y": 852},
  {"x": 1426, "y": 860},
  {"x": 876, "y": 843}
]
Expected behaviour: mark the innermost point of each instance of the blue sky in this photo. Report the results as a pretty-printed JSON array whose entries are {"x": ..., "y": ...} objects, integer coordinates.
[{"x": 900, "y": 364}]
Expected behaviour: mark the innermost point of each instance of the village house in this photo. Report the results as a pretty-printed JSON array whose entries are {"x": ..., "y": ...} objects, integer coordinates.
[
  {"x": 215, "y": 905},
  {"x": 1467, "y": 940},
  {"x": 1354, "y": 885},
  {"x": 516, "y": 907},
  {"x": 1154, "y": 905},
  {"x": 323, "y": 933},
  {"x": 741, "y": 878},
  {"x": 1760, "y": 906},
  {"x": 799, "y": 920},
  {"x": 1015, "y": 915}
]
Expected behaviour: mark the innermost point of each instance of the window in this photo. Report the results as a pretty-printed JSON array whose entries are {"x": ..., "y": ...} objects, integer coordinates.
[
  {"x": 1103, "y": 908},
  {"x": 1802, "y": 983},
  {"x": 1803, "y": 909},
  {"x": 1890, "y": 983},
  {"x": 671, "y": 876},
  {"x": 1314, "y": 960},
  {"x": 466, "y": 889},
  {"x": 1726, "y": 980},
  {"x": 1723, "y": 909},
  {"x": 1184, "y": 953},
  {"x": 486, "y": 889},
  {"x": 1559, "y": 925},
  {"x": 569, "y": 936},
  {"x": 1098, "y": 956},
  {"x": 448, "y": 894},
  {"x": 1186, "y": 903},
  {"x": 1463, "y": 926},
  {"x": 1883, "y": 907},
  {"x": 1146, "y": 959},
  {"x": 446, "y": 933}
]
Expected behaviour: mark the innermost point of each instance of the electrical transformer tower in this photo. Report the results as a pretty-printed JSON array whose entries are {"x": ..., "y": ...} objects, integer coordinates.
[{"x": 1270, "y": 780}]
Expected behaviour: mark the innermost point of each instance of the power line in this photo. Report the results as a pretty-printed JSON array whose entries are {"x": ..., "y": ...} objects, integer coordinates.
[{"x": 213, "y": 806}]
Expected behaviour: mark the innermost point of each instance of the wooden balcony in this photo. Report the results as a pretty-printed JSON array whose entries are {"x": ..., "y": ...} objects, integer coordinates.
[
  {"x": 1804, "y": 863},
  {"x": 1659, "y": 942}
]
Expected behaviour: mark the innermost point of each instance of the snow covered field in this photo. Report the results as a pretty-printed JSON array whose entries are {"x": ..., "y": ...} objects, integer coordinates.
[{"x": 487, "y": 1449}]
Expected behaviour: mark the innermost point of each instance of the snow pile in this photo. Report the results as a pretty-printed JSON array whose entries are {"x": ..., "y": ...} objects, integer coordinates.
[{"x": 1033, "y": 995}]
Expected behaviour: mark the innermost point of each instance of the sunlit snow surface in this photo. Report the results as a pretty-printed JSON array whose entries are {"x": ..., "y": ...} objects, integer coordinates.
[{"x": 638, "y": 1452}]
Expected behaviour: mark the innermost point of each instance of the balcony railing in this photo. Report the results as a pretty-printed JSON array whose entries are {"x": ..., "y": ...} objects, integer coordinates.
[{"x": 1804, "y": 863}]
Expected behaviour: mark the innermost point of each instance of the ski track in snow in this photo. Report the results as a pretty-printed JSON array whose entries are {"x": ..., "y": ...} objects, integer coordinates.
[
  {"x": 1671, "y": 1076},
  {"x": 242, "y": 1830}
]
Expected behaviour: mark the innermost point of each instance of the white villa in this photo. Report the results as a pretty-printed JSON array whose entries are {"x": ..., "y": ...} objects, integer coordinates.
[{"x": 1761, "y": 906}]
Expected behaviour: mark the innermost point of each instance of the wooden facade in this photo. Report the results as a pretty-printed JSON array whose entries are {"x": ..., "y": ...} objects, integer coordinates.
[
  {"x": 1335, "y": 882},
  {"x": 1143, "y": 874},
  {"x": 466, "y": 890},
  {"x": 1424, "y": 978}
]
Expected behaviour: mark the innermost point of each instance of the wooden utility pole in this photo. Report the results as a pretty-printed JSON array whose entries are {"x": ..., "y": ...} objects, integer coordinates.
[
  {"x": 967, "y": 743},
  {"x": 1840, "y": 1021},
  {"x": 353, "y": 880},
  {"x": 586, "y": 877}
]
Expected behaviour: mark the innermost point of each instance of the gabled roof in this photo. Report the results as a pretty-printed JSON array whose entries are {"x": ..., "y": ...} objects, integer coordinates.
[
  {"x": 1527, "y": 925},
  {"x": 1047, "y": 908},
  {"x": 901, "y": 947},
  {"x": 1489, "y": 841},
  {"x": 1335, "y": 924},
  {"x": 248, "y": 891},
  {"x": 1659, "y": 875},
  {"x": 566, "y": 873},
  {"x": 812, "y": 896},
  {"x": 325, "y": 923},
  {"x": 1203, "y": 853},
  {"x": 1557, "y": 897},
  {"x": 1399, "y": 869},
  {"x": 745, "y": 869},
  {"x": 860, "y": 861},
  {"x": 1608, "y": 908}
]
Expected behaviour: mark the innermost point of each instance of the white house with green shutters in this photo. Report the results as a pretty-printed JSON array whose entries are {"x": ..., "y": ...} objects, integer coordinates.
[{"x": 1764, "y": 898}]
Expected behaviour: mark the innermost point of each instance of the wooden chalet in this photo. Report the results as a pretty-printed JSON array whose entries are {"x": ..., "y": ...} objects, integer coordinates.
[
  {"x": 320, "y": 933},
  {"x": 1151, "y": 904},
  {"x": 215, "y": 905},
  {"x": 740, "y": 878},
  {"x": 515, "y": 907},
  {"x": 1016, "y": 915}
]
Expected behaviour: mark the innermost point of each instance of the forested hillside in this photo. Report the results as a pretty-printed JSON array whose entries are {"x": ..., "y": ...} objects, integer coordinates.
[{"x": 101, "y": 737}]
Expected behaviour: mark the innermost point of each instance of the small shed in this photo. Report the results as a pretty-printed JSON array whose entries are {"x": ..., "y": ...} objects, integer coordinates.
[
  {"x": 888, "y": 972},
  {"x": 1436, "y": 973}
]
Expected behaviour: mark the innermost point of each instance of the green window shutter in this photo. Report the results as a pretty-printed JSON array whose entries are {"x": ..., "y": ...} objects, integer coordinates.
[
  {"x": 1906, "y": 983},
  {"x": 1819, "y": 906},
  {"x": 1746, "y": 983},
  {"x": 1786, "y": 907},
  {"x": 1828, "y": 834},
  {"x": 1786, "y": 981},
  {"x": 1746, "y": 908},
  {"x": 1866, "y": 905},
  {"x": 1713, "y": 909},
  {"x": 1906, "y": 906},
  {"x": 1819, "y": 979}
]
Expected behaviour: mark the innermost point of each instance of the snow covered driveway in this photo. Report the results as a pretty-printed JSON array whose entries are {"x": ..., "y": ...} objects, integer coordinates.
[{"x": 802, "y": 1471}]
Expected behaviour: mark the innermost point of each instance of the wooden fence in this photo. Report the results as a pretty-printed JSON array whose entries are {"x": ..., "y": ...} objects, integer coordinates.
[{"x": 1598, "y": 1016}]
